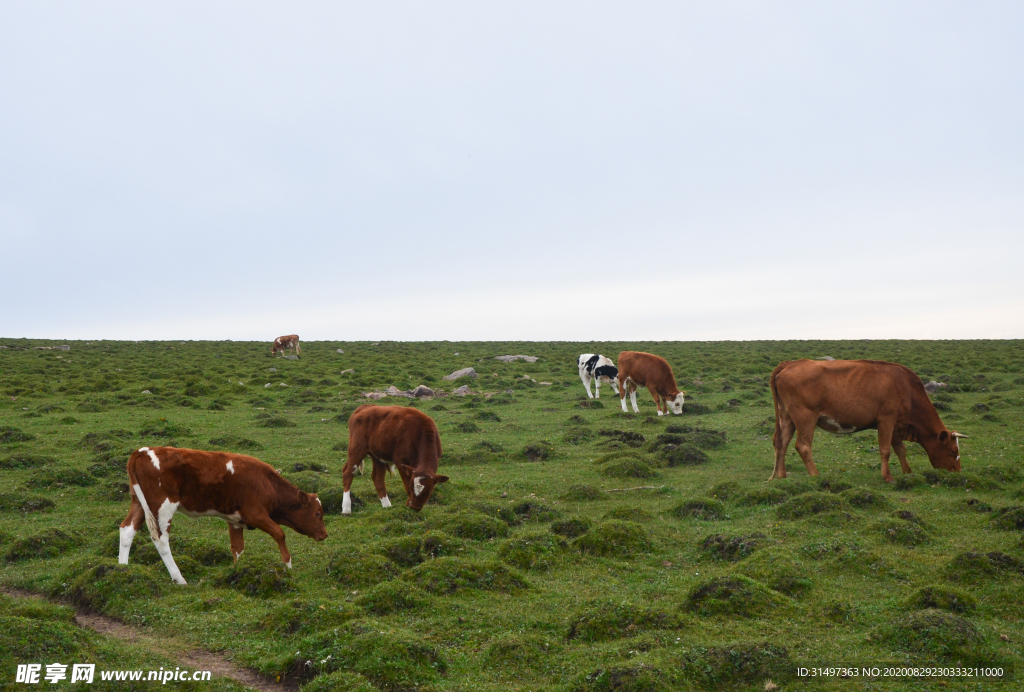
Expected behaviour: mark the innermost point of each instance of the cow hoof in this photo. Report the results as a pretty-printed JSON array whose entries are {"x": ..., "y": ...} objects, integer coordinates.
[{"x": 181, "y": 582}]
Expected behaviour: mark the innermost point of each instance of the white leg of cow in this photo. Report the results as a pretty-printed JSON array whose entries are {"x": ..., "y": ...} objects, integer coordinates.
[
  {"x": 622, "y": 399},
  {"x": 632, "y": 398},
  {"x": 597, "y": 387},
  {"x": 346, "y": 503},
  {"x": 163, "y": 543},
  {"x": 127, "y": 536},
  {"x": 586, "y": 384},
  {"x": 385, "y": 502}
]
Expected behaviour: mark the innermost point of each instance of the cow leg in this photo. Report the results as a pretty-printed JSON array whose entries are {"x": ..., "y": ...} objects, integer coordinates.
[
  {"x": 380, "y": 469},
  {"x": 884, "y": 447},
  {"x": 237, "y": 541},
  {"x": 163, "y": 541},
  {"x": 268, "y": 525},
  {"x": 784, "y": 430},
  {"x": 586, "y": 383},
  {"x": 632, "y": 398},
  {"x": 901, "y": 454},
  {"x": 597, "y": 387},
  {"x": 657, "y": 401},
  {"x": 356, "y": 453},
  {"x": 804, "y": 441},
  {"x": 622, "y": 396},
  {"x": 129, "y": 527}
]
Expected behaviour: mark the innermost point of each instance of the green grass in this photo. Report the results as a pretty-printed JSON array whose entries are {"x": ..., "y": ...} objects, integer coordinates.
[{"x": 524, "y": 573}]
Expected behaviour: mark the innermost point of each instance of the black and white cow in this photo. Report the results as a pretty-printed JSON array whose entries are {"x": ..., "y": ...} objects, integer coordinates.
[{"x": 598, "y": 368}]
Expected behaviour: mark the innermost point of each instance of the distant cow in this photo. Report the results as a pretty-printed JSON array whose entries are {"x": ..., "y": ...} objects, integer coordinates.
[
  {"x": 397, "y": 438},
  {"x": 286, "y": 343},
  {"x": 638, "y": 369},
  {"x": 600, "y": 369},
  {"x": 847, "y": 396},
  {"x": 241, "y": 490}
]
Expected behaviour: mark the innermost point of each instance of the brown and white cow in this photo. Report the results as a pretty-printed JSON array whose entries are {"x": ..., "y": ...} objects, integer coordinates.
[
  {"x": 847, "y": 396},
  {"x": 397, "y": 438},
  {"x": 639, "y": 369},
  {"x": 241, "y": 490},
  {"x": 286, "y": 343}
]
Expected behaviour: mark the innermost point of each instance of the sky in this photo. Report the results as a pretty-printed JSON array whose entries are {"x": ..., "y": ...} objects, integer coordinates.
[{"x": 512, "y": 170}]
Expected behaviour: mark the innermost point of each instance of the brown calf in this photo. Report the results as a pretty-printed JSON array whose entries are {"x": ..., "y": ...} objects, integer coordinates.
[
  {"x": 241, "y": 490},
  {"x": 398, "y": 438},
  {"x": 285, "y": 343},
  {"x": 847, "y": 396},
  {"x": 638, "y": 369}
]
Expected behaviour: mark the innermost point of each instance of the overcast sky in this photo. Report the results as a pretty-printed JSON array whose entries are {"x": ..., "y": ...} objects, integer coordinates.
[{"x": 516, "y": 170}]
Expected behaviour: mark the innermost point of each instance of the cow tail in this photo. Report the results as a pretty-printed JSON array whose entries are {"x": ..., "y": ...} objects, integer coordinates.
[{"x": 776, "y": 436}]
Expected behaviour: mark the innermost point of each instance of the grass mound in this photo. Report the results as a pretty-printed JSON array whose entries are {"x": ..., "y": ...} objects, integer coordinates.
[
  {"x": 393, "y": 597},
  {"x": 538, "y": 451},
  {"x": 97, "y": 583},
  {"x": 516, "y": 650},
  {"x": 258, "y": 577},
  {"x": 394, "y": 661},
  {"x": 582, "y": 493},
  {"x": 708, "y": 510},
  {"x": 578, "y": 435},
  {"x": 339, "y": 680},
  {"x": 532, "y": 510},
  {"x": 25, "y": 461},
  {"x": 713, "y": 668},
  {"x": 862, "y": 498},
  {"x": 1009, "y": 518},
  {"x": 538, "y": 551},
  {"x": 305, "y": 615},
  {"x": 233, "y": 442},
  {"x": 614, "y": 539},
  {"x": 763, "y": 496},
  {"x": 935, "y": 635},
  {"x": 976, "y": 505},
  {"x": 162, "y": 428},
  {"x": 909, "y": 481},
  {"x": 332, "y": 498},
  {"x": 446, "y": 575},
  {"x": 404, "y": 551},
  {"x": 603, "y": 620},
  {"x": 731, "y": 548},
  {"x": 352, "y": 570},
  {"x": 778, "y": 571},
  {"x": 683, "y": 455},
  {"x": 572, "y": 527},
  {"x": 629, "y": 467},
  {"x": 60, "y": 477},
  {"x": 641, "y": 678},
  {"x": 626, "y": 513},
  {"x": 626, "y": 437},
  {"x": 9, "y": 435},
  {"x": 49, "y": 543},
  {"x": 941, "y": 598},
  {"x": 809, "y": 504},
  {"x": 956, "y": 479},
  {"x": 971, "y": 567},
  {"x": 473, "y": 525},
  {"x": 729, "y": 490},
  {"x": 732, "y": 595},
  {"x": 275, "y": 422},
  {"x": 20, "y": 502},
  {"x": 902, "y": 532}
]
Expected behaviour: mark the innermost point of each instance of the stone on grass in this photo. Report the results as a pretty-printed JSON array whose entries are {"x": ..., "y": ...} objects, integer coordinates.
[
  {"x": 464, "y": 372},
  {"x": 509, "y": 359}
]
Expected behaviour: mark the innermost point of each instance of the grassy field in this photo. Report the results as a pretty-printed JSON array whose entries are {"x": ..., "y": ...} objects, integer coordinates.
[{"x": 525, "y": 573}]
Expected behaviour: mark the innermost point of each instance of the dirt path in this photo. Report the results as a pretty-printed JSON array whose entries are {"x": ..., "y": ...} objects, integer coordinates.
[{"x": 195, "y": 659}]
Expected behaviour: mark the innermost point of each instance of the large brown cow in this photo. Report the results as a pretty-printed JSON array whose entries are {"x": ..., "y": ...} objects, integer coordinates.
[
  {"x": 847, "y": 396},
  {"x": 639, "y": 369},
  {"x": 398, "y": 438},
  {"x": 286, "y": 343},
  {"x": 241, "y": 490}
]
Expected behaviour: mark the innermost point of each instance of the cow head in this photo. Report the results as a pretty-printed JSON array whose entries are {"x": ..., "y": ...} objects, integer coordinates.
[
  {"x": 945, "y": 454},
  {"x": 676, "y": 403},
  {"x": 306, "y": 517},
  {"x": 419, "y": 486}
]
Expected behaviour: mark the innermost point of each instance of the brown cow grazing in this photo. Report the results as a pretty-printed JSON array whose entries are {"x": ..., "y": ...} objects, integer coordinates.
[
  {"x": 399, "y": 439},
  {"x": 286, "y": 343},
  {"x": 847, "y": 396},
  {"x": 638, "y": 369},
  {"x": 241, "y": 490}
]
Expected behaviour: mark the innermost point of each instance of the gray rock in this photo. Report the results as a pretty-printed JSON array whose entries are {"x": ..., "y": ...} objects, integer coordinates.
[
  {"x": 375, "y": 395},
  {"x": 290, "y": 356},
  {"x": 422, "y": 391},
  {"x": 826, "y": 358},
  {"x": 345, "y": 372},
  {"x": 462, "y": 391},
  {"x": 509, "y": 359},
  {"x": 273, "y": 369},
  {"x": 146, "y": 391},
  {"x": 934, "y": 386},
  {"x": 338, "y": 351},
  {"x": 465, "y": 372},
  {"x": 63, "y": 347}
]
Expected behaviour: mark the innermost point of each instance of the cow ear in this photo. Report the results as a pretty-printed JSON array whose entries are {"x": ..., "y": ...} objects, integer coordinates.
[
  {"x": 440, "y": 479},
  {"x": 408, "y": 468},
  {"x": 943, "y": 436}
]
